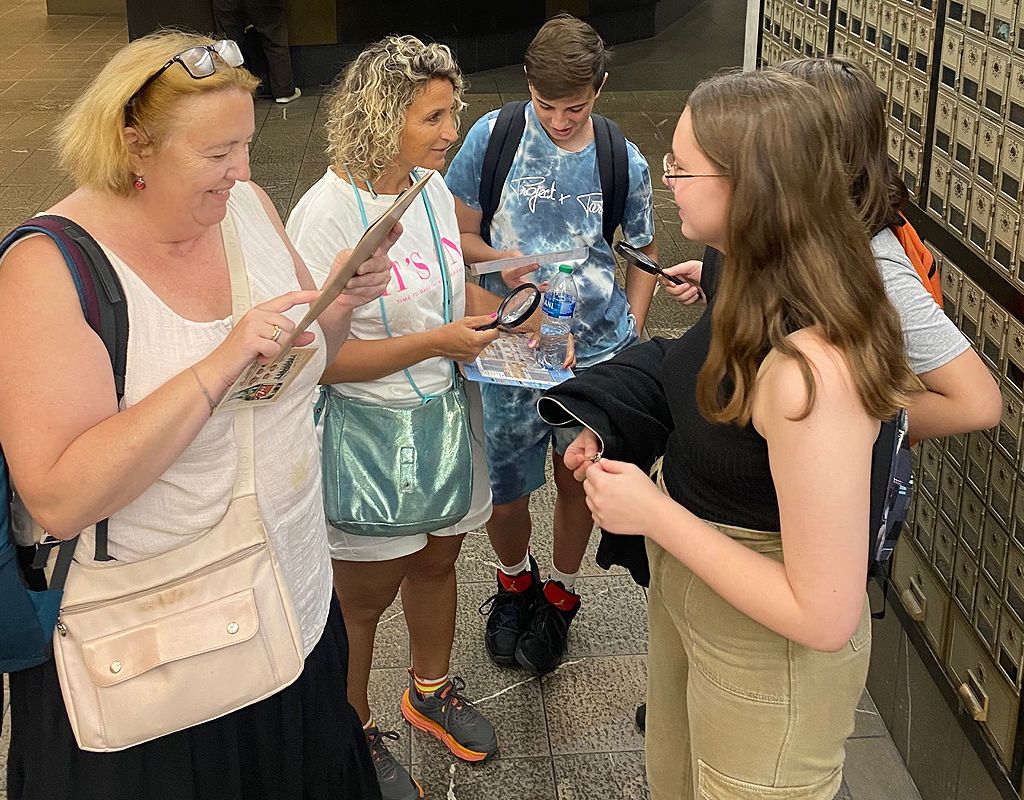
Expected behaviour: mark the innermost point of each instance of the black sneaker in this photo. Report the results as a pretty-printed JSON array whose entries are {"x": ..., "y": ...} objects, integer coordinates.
[
  {"x": 507, "y": 611},
  {"x": 394, "y": 779},
  {"x": 542, "y": 644}
]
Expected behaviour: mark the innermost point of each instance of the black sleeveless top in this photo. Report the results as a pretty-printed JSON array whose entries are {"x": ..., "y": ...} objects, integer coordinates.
[{"x": 719, "y": 472}]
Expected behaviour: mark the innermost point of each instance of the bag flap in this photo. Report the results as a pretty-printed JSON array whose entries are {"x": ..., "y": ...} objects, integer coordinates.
[{"x": 127, "y": 654}]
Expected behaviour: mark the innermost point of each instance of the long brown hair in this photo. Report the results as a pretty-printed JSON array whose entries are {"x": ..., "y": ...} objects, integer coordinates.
[
  {"x": 796, "y": 255},
  {"x": 877, "y": 191}
]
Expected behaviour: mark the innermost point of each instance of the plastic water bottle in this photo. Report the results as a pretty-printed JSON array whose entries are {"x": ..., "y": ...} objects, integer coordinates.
[{"x": 559, "y": 307}]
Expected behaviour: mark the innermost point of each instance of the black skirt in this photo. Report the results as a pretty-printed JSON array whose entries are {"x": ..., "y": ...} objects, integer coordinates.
[{"x": 304, "y": 743}]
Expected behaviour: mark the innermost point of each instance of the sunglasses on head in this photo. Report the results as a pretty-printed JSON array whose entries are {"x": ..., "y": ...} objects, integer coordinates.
[{"x": 198, "y": 62}]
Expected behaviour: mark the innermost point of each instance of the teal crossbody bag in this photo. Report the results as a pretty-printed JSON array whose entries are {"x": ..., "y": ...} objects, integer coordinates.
[{"x": 398, "y": 471}]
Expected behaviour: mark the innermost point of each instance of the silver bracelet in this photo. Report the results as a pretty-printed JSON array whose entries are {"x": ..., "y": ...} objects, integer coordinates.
[{"x": 206, "y": 394}]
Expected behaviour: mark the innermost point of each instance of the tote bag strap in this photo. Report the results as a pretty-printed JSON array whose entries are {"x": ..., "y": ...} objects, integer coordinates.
[
  {"x": 241, "y": 301},
  {"x": 442, "y": 264}
]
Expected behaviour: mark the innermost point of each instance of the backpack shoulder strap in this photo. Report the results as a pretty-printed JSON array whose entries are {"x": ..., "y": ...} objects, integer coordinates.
[
  {"x": 921, "y": 257},
  {"x": 501, "y": 151},
  {"x": 108, "y": 308},
  {"x": 103, "y": 305},
  {"x": 613, "y": 168}
]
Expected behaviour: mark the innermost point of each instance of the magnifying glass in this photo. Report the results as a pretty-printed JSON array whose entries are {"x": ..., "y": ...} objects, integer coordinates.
[
  {"x": 650, "y": 266},
  {"x": 517, "y": 306}
]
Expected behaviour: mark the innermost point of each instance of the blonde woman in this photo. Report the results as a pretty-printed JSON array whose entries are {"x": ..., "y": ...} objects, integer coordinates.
[
  {"x": 393, "y": 112},
  {"x": 158, "y": 146},
  {"x": 757, "y": 525}
]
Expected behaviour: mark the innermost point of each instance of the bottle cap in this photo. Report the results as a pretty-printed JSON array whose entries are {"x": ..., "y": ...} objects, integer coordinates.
[{"x": 567, "y": 268}]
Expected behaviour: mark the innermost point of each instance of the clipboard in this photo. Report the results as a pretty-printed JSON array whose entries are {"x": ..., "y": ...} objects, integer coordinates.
[
  {"x": 262, "y": 384},
  {"x": 368, "y": 242}
]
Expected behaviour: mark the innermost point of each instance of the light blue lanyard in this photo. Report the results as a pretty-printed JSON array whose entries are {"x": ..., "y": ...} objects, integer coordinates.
[{"x": 442, "y": 265}]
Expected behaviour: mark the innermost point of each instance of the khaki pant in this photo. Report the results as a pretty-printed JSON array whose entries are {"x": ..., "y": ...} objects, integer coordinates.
[{"x": 735, "y": 711}]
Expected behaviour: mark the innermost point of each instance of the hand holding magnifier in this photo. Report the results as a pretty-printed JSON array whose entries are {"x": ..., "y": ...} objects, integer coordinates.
[
  {"x": 516, "y": 308},
  {"x": 649, "y": 265}
]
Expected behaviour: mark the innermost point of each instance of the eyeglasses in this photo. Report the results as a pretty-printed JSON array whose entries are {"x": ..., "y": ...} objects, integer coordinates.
[
  {"x": 198, "y": 63},
  {"x": 669, "y": 167}
]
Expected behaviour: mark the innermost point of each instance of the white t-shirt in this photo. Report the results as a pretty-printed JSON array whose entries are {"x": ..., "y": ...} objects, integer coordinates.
[{"x": 327, "y": 220}]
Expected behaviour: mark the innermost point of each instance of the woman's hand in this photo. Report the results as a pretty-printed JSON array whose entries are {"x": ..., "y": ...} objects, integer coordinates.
[
  {"x": 461, "y": 341},
  {"x": 622, "y": 499},
  {"x": 372, "y": 277},
  {"x": 685, "y": 293},
  {"x": 258, "y": 336},
  {"x": 582, "y": 453}
]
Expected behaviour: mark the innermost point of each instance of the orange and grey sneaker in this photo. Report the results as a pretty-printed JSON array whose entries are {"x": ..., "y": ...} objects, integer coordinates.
[{"x": 448, "y": 716}]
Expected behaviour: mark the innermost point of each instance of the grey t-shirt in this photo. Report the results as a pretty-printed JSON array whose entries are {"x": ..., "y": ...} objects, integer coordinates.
[{"x": 931, "y": 338}]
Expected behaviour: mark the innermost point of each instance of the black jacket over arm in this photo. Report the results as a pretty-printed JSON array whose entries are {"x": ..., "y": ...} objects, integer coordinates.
[{"x": 623, "y": 402}]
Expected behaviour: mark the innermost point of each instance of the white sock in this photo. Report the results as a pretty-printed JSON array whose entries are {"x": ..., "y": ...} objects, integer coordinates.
[
  {"x": 567, "y": 579},
  {"x": 522, "y": 566}
]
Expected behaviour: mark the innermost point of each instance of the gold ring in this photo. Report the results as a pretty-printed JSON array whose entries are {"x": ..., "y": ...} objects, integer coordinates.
[{"x": 276, "y": 334}]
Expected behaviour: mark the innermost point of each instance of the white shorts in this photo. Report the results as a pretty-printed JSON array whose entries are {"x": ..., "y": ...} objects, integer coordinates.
[{"x": 352, "y": 547}]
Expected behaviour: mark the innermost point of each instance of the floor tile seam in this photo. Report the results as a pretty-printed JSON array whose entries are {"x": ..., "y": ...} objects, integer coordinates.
[
  {"x": 292, "y": 200},
  {"x": 499, "y": 756},
  {"x": 547, "y": 730}
]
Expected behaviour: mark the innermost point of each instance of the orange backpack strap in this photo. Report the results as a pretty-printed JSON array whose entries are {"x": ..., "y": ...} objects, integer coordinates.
[{"x": 921, "y": 257}]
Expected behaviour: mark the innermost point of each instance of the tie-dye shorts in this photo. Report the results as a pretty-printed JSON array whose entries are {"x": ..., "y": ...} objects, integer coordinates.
[{"x": 516, "y": 440}]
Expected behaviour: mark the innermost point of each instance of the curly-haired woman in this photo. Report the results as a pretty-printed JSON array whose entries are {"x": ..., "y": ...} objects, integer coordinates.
[{"x": 395, "y": 109}]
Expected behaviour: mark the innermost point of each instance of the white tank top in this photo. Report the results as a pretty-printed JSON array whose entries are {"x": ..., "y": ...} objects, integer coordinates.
[{"x": 191, "y": 496}]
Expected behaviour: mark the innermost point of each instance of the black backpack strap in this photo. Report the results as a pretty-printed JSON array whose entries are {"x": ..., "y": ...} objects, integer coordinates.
[
  {"x": 111, "y": 307},
  {"x": 613, "y": 168},
  {"x": 501, "y": 151},
  {"x": 892, "y": 483},
  {"x": 105, "y": 309}
]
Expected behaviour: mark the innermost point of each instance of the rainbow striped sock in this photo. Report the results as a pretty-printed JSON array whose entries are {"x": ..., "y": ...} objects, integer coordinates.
[{"x": 427, "y": 686}]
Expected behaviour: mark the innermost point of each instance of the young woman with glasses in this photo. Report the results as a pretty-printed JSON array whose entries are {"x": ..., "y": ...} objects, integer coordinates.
[{"x": 757, "y": 521}]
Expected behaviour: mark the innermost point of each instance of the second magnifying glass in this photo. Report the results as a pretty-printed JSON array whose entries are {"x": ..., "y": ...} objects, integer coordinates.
[
  {"x": 649, "y": 265},
  {"x": 517, "y": 306}
]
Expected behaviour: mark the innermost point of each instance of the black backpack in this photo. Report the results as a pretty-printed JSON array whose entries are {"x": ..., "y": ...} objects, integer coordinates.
[
  {"x": 892, "y": 484},
  {"x": 612, "y": 165},
  {"x": 30, "y": 608}
]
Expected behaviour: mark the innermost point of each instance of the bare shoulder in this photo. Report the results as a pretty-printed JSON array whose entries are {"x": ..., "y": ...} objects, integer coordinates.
[
  {"x": 34, "y": 271},
  {"x": 781, "y": 388}
]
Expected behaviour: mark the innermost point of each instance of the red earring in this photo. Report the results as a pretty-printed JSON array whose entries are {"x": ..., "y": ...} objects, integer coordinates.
[{"x": 139, "y": 182}]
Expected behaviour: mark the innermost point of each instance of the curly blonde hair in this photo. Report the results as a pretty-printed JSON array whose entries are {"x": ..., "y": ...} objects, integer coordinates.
[
  {"x": 90, "y": 139},
  {"x": 368, "y": 103}
]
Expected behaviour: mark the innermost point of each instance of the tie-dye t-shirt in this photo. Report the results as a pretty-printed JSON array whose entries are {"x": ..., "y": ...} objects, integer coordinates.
[{"x": 552, "y": 202}]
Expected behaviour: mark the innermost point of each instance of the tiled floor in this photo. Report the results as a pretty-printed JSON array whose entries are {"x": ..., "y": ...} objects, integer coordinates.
[{"x": 571, "y": 735}]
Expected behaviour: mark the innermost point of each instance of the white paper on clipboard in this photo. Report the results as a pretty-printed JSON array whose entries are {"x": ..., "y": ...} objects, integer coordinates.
[
  {"x": 263, "y": 384},
  {"x": 499, "y": 264}
]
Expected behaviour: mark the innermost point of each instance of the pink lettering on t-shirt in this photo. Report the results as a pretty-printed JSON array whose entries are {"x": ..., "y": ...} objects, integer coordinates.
[
  {"x": 451, "y": 246},
  {"x": 422, "y": 270}
]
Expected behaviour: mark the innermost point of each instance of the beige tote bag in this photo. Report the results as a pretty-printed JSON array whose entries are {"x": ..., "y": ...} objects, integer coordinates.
[{"x": 152, "y": 647}]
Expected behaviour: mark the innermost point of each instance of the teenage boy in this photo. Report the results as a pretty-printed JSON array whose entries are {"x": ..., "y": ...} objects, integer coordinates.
[{"x": 550, "y": 201}]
